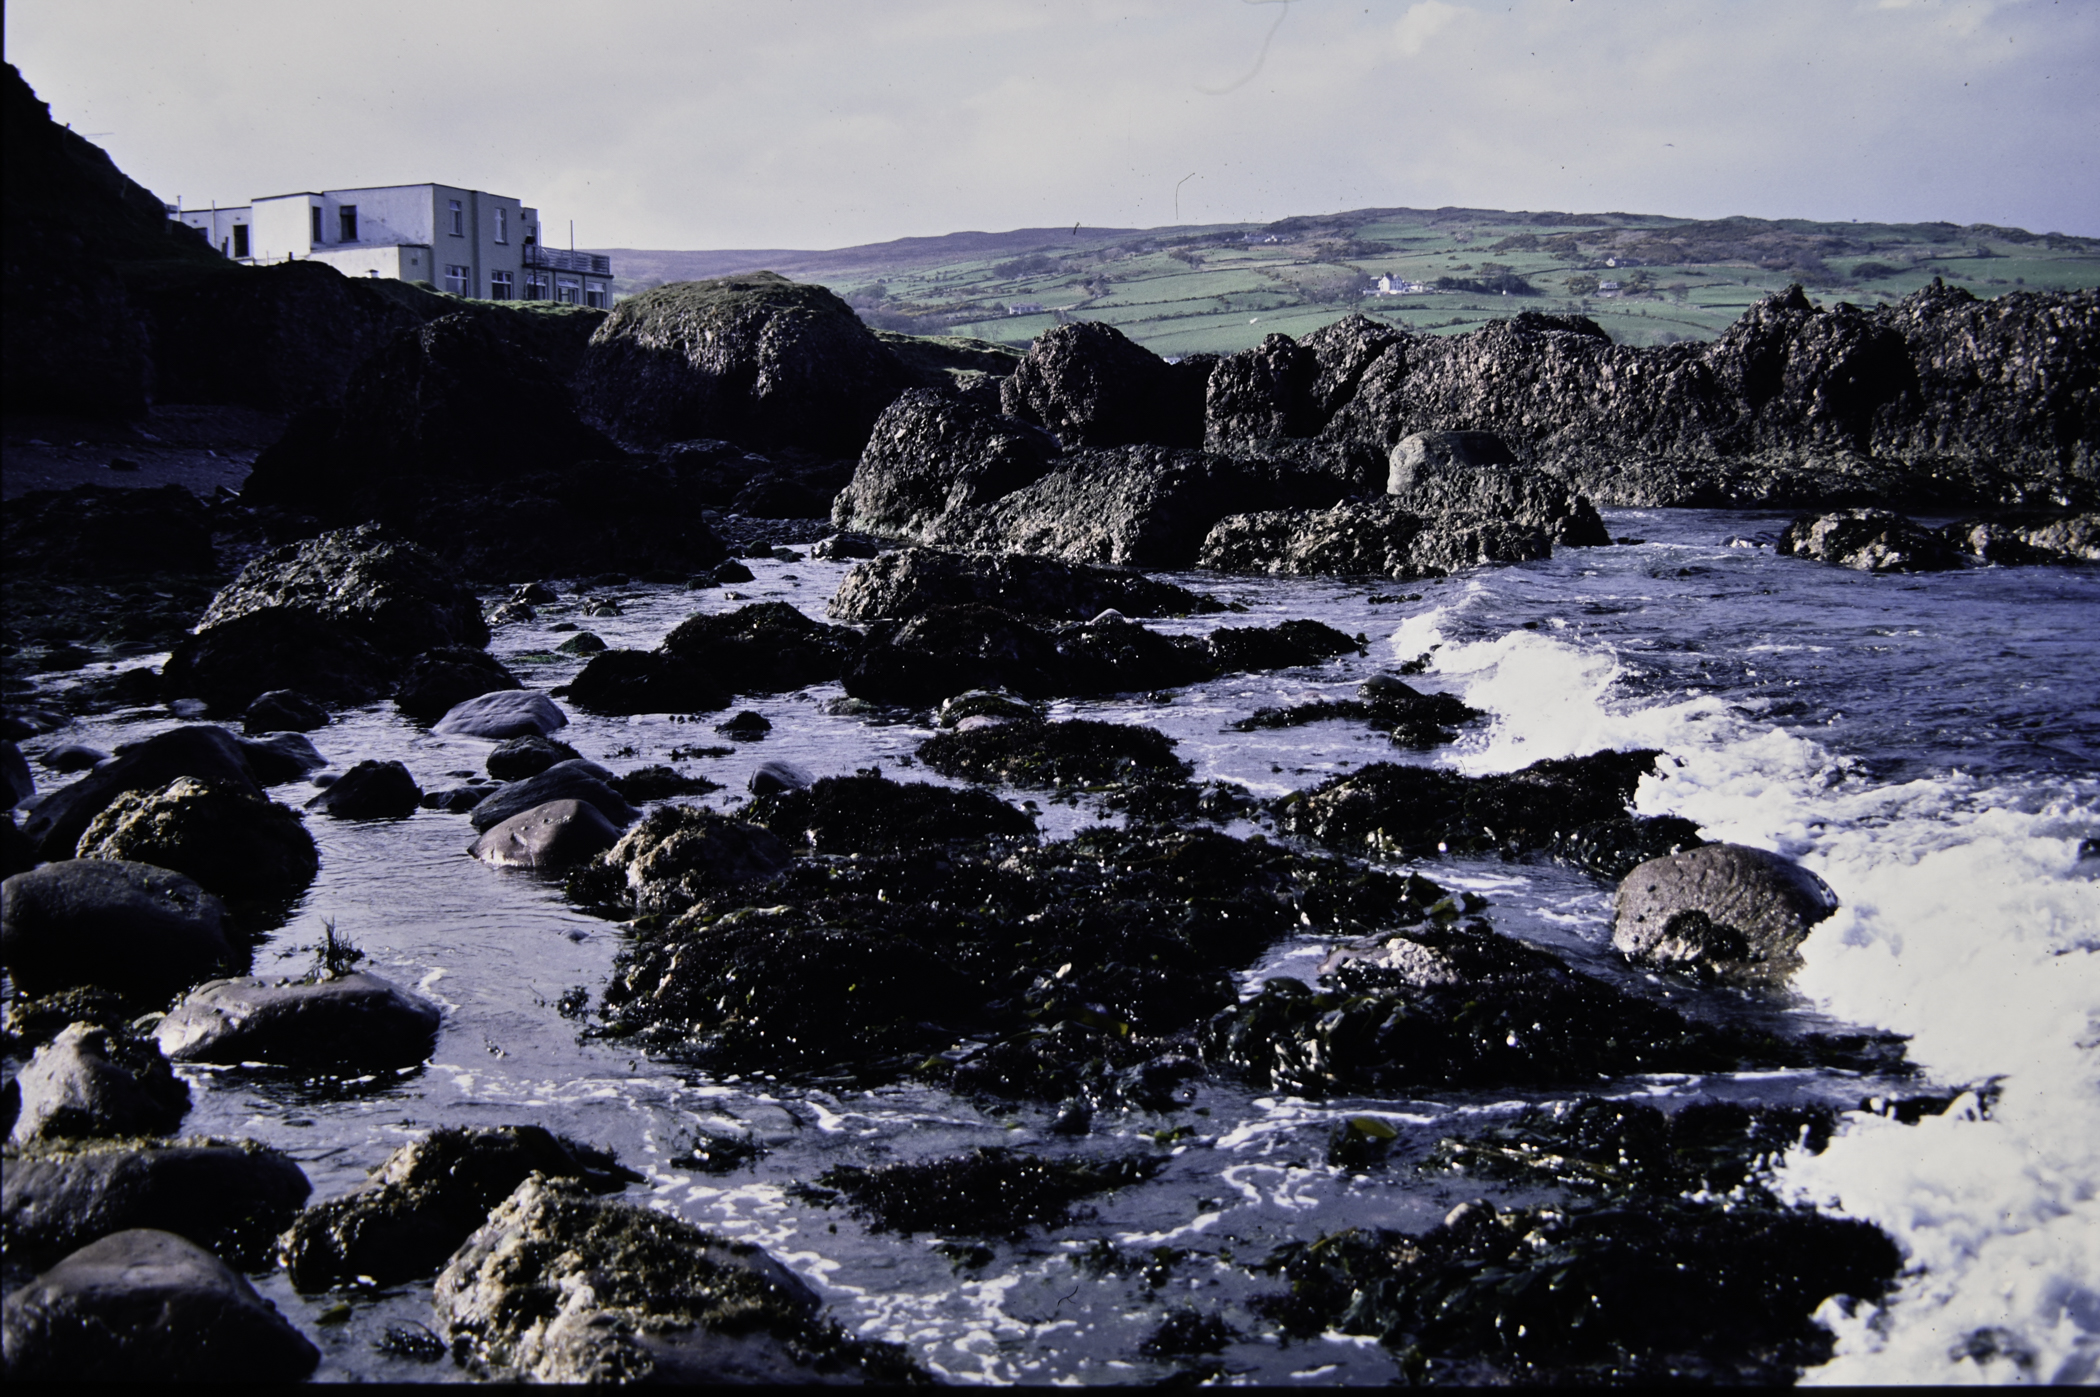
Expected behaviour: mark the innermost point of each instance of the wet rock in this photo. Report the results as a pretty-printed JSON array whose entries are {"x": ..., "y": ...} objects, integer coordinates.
[
  {"x": 582, "y": 643},
  {"x": 1092, "y": 386},
  {"x": 531, "y": 593},
  {"x": 231, "y": 1197},
  {"x": 209, "y": 753},
  {"x": 97, "y": 531},
  {"x": 2018, "y": 541},
  {"x": 666, "y": 1302},
  {"x": 910, "y": 580},
  {"x": 72, "y": 757},
  {"x": 17, "y": 854},
  {"x": 777, "y": 776},
  {"x": 371, "y": 790},
  {"x": 283, "y": 710},
  {"x": 570, "y": 780},
  {"x": 1612, "y": 849},
  {"x": 1473, "y": 476},
  {"x": 34, "y": 1021},
  {"x": 238, "y": 660},
  {"x": 986, "y": 706},
  {"x": 16, "y": 780},
  {"x": 1426, "y": 460},
  {"x": 992, "y": 1192},
  {"x": 512, "y": 612},
  {"x": 559, "y": 834},
  {"x": 1078, "y": 752},
  {"x": 437, "y": 681},
  {"x": 755, "y": 359},
  {"x": 148, "y": 1307},
  {"x": 646, "y": 681},
  {"x": 763, "y": 648},
  {"x": 745, "y": 727},
  {"x": 845, "y": 546},
  {"x": 931, "y": 453},
  {"x": 868, "y": 813},
  {"x": 647, "y": 783},
  {"x": 2074, "y": 538},
  {"x": 140, "y": 931},
  {"x": 1723, "y": 909},
  {"x": 1869, "y": 540},
  {"x": 279, "y": 757},
  {"x": 1367, "y": 538},
  {"x": 729, "y": 574},
  {"x": 507, "y": 713},
  {"x": 390, "y": 593},
  {"x": 427, "y": 1198},
  {"x": 1412, "y": 718},
  {"x": 678, "y": 855},
  {"x": 1668, "y": 1291},
  {"x": 458, "y": 800},
  {"x": 100, "y": 1082},
  {"x": 522, "y": 757},
  {"x": 353, "y": 1021},
  {"x": 1260, "y": 394},
  {"x": 1286, "y": 645},
  {"x": 235, "y": 844},
  {"x": 947, "y": 649}
]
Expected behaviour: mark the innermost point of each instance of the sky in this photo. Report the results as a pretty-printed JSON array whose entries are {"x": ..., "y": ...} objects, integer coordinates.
[{"x": 827, "y": 123}]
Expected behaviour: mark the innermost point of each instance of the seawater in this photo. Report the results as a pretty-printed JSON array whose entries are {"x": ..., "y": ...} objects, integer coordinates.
[{"x": 1929, "y": 745}]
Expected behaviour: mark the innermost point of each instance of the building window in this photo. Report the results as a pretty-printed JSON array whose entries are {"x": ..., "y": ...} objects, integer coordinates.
[
  {"x": 502, "y": 224},
  {"x": 458, "y": 280},
  {"x": 594, "y": 296},
  {"x": 459, "y": 219},
  {"x": 347, "y": 215},
  {"x": 568, "y": 290},
  {"x": 535, "y": 286},
  {"x": 240, "y": 240},
  {"x": 315, "y": 210},
  {"x": 501, "y": 287}
]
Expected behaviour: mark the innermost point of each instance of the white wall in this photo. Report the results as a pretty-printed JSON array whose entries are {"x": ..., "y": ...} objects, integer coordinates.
[
  {"x": 282, "y": 229},
  {"x": 393, "y": 261}
]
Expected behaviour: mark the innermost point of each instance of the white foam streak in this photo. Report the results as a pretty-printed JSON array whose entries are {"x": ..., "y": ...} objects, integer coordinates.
[{"x": 1966, "y": 924}]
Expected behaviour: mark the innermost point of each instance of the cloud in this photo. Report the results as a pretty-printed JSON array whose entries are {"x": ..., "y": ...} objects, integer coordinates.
[{"x": 1422, "y": 23}]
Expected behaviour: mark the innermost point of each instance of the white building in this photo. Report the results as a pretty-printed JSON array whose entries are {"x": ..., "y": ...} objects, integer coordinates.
[{"x": 464, "y": 241}]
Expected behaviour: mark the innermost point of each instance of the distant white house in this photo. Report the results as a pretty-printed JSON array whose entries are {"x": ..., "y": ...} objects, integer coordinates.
[
  {"x": 1024, "y": 308},
  {"x": 1390, "y": 285},
  {"x": 1607, "y": 289},
  {"x": 465, "y": 241}
]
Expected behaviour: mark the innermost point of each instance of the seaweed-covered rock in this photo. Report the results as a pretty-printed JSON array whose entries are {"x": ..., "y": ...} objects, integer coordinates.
[
  {"x": 990, "y": 1191},
  {"x": 558, "y": 834},
  {"x": 1410, "y": 717},
  {"x": 559, "y": 1286},
  {"x": 909, "y": 580},
  {"x": 659, "y": 782},
  {"x": 646, "y": 681},
  {"x": 678, "y": 854},
  {"x": 390, "y": 593},
  {"x": 756, "y": 359},
  {"x": 1284, "y": 645},
  {"x": 371, "y": 790},
  {"x": 437, "y": 681},
  {"x": 1093, "y": 386},
  {"x": 931, "y": 453},
  {"x": 353, "y": 1020},
  {"x": 517, "y": 758},
  {"x": 142, "y": 1306},
  {"x": 1723, "y": 909},
  {"x": 427, "y": 1198},
  {"x": 763, "y": 648},
  {"x": 867, "y": 813},
  {"x": 235, "y": 844},
  {"x": 507, "y": 713},
  {"x": 139, "y": 931},
  {"x": 1613, "y": 848},
  {"x": 1869, "y": 540},
  {"x": 228, "y": 1196},
  {"x": 1076, "y": 752},
  {"x": 91, "y": 1081},
  {"x": 210, "y": 754},
  {"x": 1666, "y": 1291},
  {"x": 947, "y": 649},
  {"x": 571, "y": 780}
]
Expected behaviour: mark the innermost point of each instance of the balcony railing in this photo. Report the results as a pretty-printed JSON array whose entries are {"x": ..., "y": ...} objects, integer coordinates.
[{"x": 554, "y": 259}]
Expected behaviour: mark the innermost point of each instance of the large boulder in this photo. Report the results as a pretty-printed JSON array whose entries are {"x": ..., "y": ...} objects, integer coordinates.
[
  {"x": 388, "y": 592},
  {"x": 558, "y": 834},
  {"x": 571, "y": 780},
  {"x": 762, "y": 648},
  {"x": 1371, "y": 537},
  {"x": 646, "y": 681},
  {"x": 94, "y": 1081},
  {"x": 1737, "y": 913},
  {"x": 229, "y": 1196},
  {"x": 1260, "y": 394},
  {"x": 283, "y": 710},
  {"x": 507, "y": 713},
  {"x": 520, "y": 757},
  {"x": 371, "y": 790},
  {"x": 931, "y": 453},
  {"x": 1870, "y": 540},
  {"x": 140, "y": 931},
  {"x": 148, "y": 1307},
  {"x": 559, "y": 1286},
  {"x": 427, "y": 1198},
  {"x": 756, "y": 359},
  {"x": 437, "y": 681},
  {"x": 1092, "y": 385},
  {"x": 946, "y": 650},
  {"x": 354, "y": 1020},
  {"x": 232, "y": 665},
  {"x": 235, "y": 844},
  {"x": 208, "y": 753},
  {"x": 96, "y": 531},
  {"x": 910, "y": 580}
]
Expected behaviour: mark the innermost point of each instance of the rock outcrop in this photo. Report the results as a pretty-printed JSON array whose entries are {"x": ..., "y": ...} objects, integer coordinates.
[
  {"x": 1868, "y": 540},
  {"x": 137, "y": 930},
  {"x": 234, "y": 844},
  {"x": 1090, "y": 385},
  {"x": 909, "y": 580}
]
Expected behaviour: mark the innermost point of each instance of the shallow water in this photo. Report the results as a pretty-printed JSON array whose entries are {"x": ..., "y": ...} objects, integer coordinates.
[{"x": 1929, "y": 745}]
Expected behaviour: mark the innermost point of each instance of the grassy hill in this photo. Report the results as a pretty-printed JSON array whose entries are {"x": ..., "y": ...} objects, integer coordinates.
[{"x": 1221, "y": 287}]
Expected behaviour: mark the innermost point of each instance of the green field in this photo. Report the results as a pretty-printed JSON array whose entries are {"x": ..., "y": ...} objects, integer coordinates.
[{"x": 1221, "y": 288}]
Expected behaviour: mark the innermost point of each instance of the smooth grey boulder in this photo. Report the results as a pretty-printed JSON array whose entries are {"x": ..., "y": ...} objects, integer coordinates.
[
  {"x": 621, "y": 1290},
  {"x": 677, "y": 855},
  {"x": 370, "y": 791},
  {"x": 148, "y": 1307},
  {"x": 1421, "y": 454},
  {"x": 17, "y": 783},
  {"x": 278, "y": 757},
  {"x": 72, "y": 757},
  {"x": 235, "y": 844},
  {"x": 1734, "y": 912},
  {"x": 459, "y": 799},
  {"x": 503, "y": 714},
  {"x": 438, "y": 681},
  {"x": 282, "y": 710},
  {"x": 89, "y": 1081},
  {"x": 777, "y": 776},
  {"x": 1868, "y": 540},
  {"x": 231, "y": 1197},
  {"x": 129, "y": 927},
  {"x": 201, "y": 750},
  {"x": 572, "y": 780},
  {"x": 521, "y": 758},
  {"x": 354, "y": 1020},
  {"x": 559, "y": 834}
]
